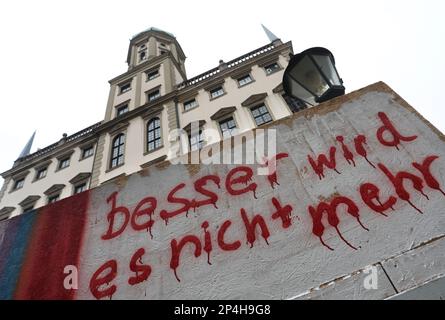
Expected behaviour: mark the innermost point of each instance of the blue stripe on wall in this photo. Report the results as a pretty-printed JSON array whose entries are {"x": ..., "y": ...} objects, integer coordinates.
[{"x": 12, "y": 251}]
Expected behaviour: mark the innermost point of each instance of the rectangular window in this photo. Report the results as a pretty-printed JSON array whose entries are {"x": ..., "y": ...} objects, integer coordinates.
[
  {"x": 261, "y": 114},
  {"x": 117, "y": 150},
  {"x": 87, "y": 152},
  {"x": 121, "y": 110},
  {"x": 18, "y": 184},
  {"x": 142, "y": 53},
  {"x": 196, "y": 141},
  {"x": 294, "y": 104},
  {"x": 227, "y": 127},
  {"x": 188, "y": 105},
  {"x": 125, "y": 87},
  {"x": 153, "y": 95},
  {"x": 271, "y": 68},
  {"x": 65, "y": 162},
  {"x": 80, "y": 188},
  {"x": 154, "y": 140},
  {"x": 217, "y": 92},
  {"x": 28, "y": 209},
  {"x": 53, "y": 198},
  {"x": 41, "y": 173},
  {"x": 152, "y": 74},
  {"x": 244, "y": 80}
]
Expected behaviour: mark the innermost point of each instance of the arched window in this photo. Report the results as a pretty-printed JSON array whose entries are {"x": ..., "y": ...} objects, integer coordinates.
[
  {"x": 117, "y": 151},
  {"x": 154, "y": 134}
]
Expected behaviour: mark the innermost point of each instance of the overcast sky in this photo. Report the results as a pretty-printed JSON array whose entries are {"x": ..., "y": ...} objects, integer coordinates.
[{"x": 56, "y": 57}]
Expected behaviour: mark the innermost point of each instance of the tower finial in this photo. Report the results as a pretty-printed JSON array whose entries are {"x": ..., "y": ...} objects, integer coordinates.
[
  {"x": 27, "y": 149},
  {"x": 270, "y": 35}
]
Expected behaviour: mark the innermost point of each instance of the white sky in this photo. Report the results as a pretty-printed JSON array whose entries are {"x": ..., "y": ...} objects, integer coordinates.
[{"x": 56, "y": 57}]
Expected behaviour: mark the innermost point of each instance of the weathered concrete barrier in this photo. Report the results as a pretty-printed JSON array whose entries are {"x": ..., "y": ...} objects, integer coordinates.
[{"x": 360, "y": 182}]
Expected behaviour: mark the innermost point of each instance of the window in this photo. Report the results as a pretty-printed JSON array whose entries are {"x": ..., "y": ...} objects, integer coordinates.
[
  {"x": 63, "y": 163},
  {"x": 87, "y": 152},
  {"x": 196, "y": 141},
  {"x": 125, "y": 87},
  {"x": 117, "y": 151},
  {"x": 121, "y": 110},
  {"x": 142, "y": 53},
  {"x": 41, "y": 173},
  {"x": 142, "y": 56},
  {"x": 244, "y": 80},
  {"x": 261, "y": 114},
  {"x": 80, "y": 188},
  {"x": 152, "y": 74},
  {"x": 154, "y": 140},
  {"x": 294, "y": 104},
  {"x": 153, "y": 95},
  {"x": 271, "y": 68},
  {"x": 227, "y": 126},
  {"x": 190, "y": 104},
  {"x": 217, "y": 92},
  {"x": 28, "y": 209},
  {"x": 18, "y": 184},
  {"x": 53, "y": 198}
]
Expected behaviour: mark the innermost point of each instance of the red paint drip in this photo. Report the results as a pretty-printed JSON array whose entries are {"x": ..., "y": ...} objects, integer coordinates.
[
  {"x": 272, "y": 176},
  {"x": 284, "y": 213},
  {"x": 145, "y": 207},
  {"x": 370, "y": 163},
  {"x": 322, "y": 161},
  {"x": 176, "y": 275},
  {"x": 339, "y": 233},
  {"x": 381, "y": 212},
  {"x": 412, "y": 205},
  {"x": 349, "y": 156},
  {"x": 361, "y": 224},
  {"x": 323, "y": 243},
  {"x": 257, "y": 220},
  {"x": 207, "y": 241},
  {"x": 176, "y": 249},
  {"x": 359, "y": 142},
  {"x": 200, "y": 186},
  {"x": 425, "y": 169},
  {"x": 388, "y": 126},
  {"x": 171, "y": 198},
  {"x": 221, "y": 242},
  {"x": 397, "y": 181},
  {"x": 231, "y": 181}
]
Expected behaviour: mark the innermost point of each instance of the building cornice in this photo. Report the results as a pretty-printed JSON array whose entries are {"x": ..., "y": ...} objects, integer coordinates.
[
  {"x": 240, "y": 64},
  {"x": 62, "y": 147}
]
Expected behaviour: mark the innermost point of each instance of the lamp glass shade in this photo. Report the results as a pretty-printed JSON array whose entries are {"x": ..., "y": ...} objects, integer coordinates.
[
  {"x": 311, "y": 76},
  {"x": 328, "y": 69}
]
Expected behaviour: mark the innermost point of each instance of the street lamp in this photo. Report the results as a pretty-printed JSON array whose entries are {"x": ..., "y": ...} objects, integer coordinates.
[{"x": 312, "y": 77}]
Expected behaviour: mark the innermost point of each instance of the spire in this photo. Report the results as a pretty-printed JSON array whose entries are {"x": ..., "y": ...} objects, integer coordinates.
[
  {"x": 27, "y": 149},
  {"x": 270, "y": 35}
]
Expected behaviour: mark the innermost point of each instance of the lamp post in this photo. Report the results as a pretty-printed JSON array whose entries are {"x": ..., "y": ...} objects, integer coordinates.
[{"x": 312, "y": 77}]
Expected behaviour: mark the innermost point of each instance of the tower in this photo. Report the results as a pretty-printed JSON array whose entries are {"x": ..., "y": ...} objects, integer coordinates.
[{"x": 155, "y": 66}]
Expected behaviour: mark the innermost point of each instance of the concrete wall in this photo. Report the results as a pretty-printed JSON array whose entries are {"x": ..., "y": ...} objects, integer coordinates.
[{"x": 227, "y": 232}]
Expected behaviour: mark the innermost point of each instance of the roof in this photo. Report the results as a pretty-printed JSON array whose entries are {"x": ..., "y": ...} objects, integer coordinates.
[{"x": 153, "y": 29}]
